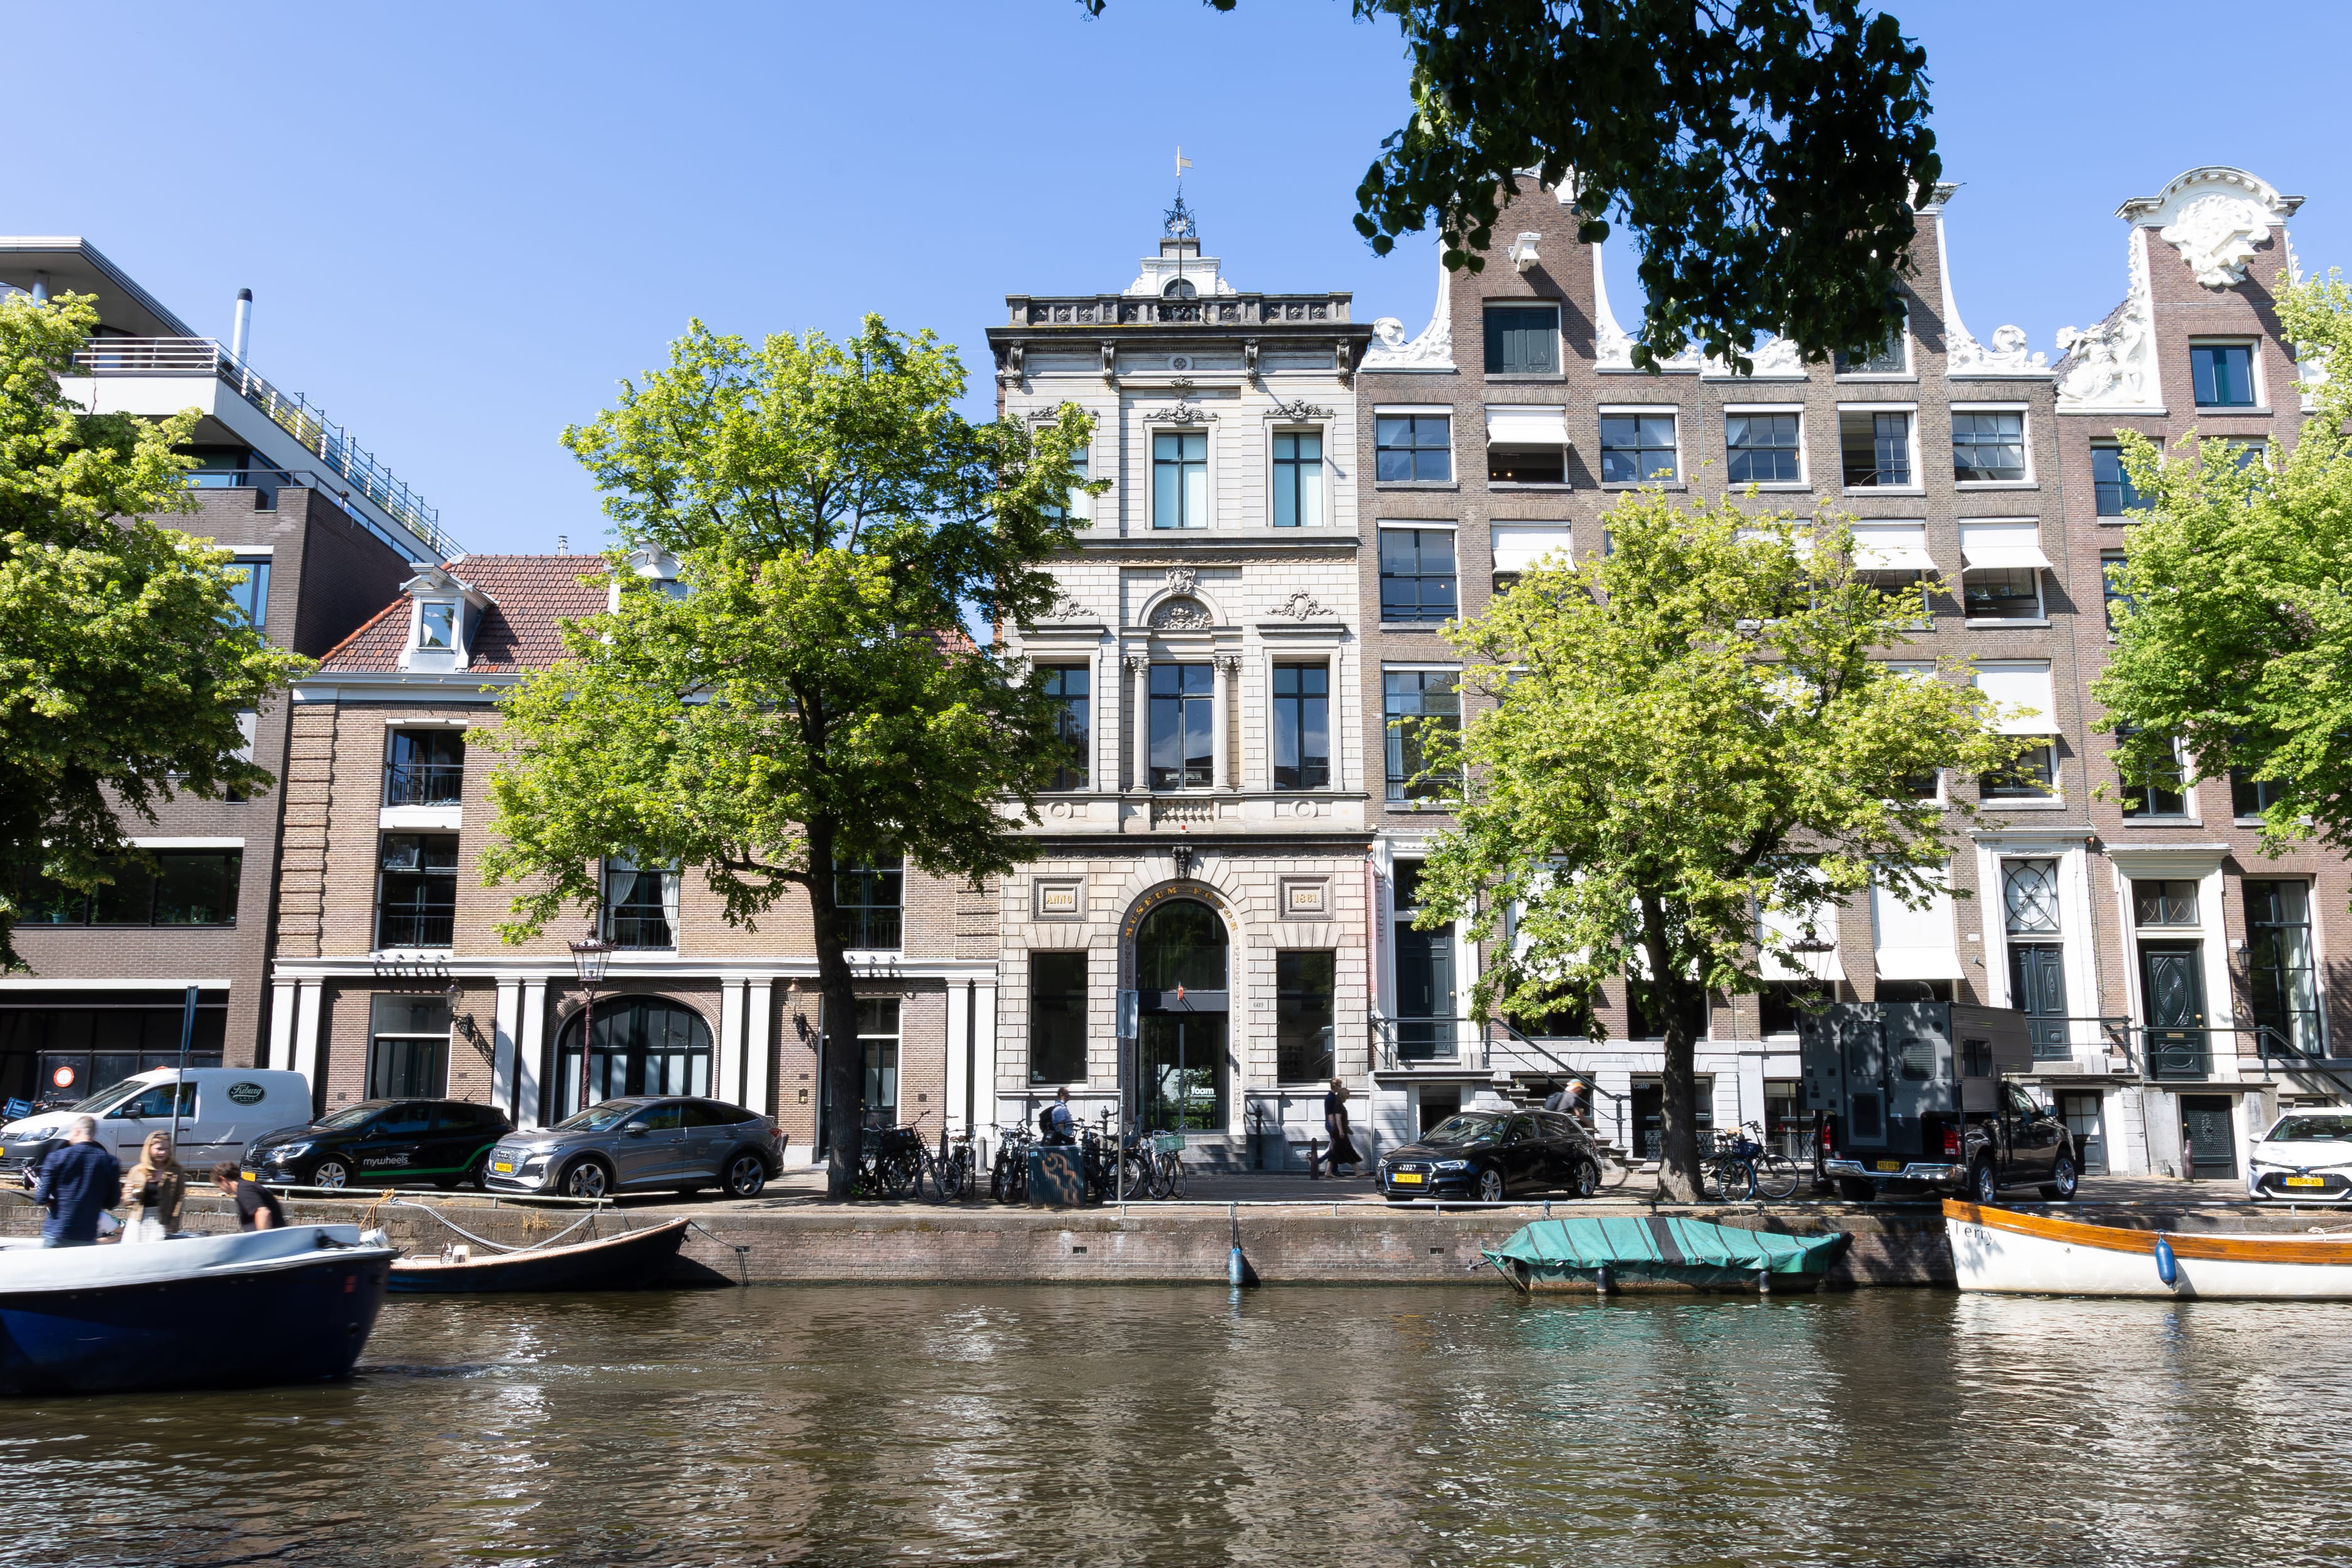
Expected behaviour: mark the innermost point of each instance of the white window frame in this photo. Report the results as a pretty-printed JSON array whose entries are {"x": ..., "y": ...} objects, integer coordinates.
[
  {"x": 1804, "y": 480},
  {"x": 2024, "y": 412},
  {"x": 1151, "y": 434},
  {"x": 1322, "y": 433},
  {"x": 1910, "y": 370},
  {"x": 1682, "y": 457},
  {"x": 2256, "y": 368},
  {"x": 2041, "y": 616},
  {"x": 2191, "y": 813},
  {"x": 1558, "y": 339},
  {"x": 1508, "y": 410},
  {"x": 1917, "y": 486}
]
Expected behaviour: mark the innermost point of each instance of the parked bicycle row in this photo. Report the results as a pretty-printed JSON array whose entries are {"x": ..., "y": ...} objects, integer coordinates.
[{"x": 899, "y": 1163}]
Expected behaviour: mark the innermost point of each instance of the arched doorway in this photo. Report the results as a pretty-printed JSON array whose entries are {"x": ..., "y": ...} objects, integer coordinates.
[
  {"x": 1181, "y": 960},
  {"x": 642, "y": 1044}
]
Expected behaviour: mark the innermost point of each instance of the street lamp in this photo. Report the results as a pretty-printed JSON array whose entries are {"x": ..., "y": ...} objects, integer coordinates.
[{"x": 588, "y": 960}]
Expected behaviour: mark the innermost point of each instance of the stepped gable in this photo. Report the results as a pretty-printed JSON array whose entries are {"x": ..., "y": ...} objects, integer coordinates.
[{"x": 530, "y": 595}]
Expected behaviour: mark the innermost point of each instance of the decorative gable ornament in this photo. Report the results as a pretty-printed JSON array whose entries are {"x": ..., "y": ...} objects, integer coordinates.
[
  {"x": 2217, "y": 235},
  {"x": 1181, "y": 615}
]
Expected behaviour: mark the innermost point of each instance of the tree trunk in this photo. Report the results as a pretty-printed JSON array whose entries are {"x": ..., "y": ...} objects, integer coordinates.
[
  {"x": 844, "y": 1088},
  {"x": 1678, "y": 1175}
]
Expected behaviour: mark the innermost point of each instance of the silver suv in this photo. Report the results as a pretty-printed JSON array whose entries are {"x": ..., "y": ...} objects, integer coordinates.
[{"x": 638, "y": 1142}]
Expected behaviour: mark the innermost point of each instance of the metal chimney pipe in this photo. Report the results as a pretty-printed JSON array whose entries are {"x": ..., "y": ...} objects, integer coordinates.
[
  {"x": 40, "y": 287},
  {"x": 243, "y": 324}
]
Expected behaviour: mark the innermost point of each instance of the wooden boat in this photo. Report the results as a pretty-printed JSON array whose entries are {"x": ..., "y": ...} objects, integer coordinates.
[
  {"x": 2003, "y": 1250},
  {"x": 1661, "y": 1253},
  {"x": 630, "y": 1261},
  {"x": 290, "y": 1305}
]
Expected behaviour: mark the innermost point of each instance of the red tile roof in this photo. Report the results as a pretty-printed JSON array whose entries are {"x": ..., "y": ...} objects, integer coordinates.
[{"x": 530, "y": 594}]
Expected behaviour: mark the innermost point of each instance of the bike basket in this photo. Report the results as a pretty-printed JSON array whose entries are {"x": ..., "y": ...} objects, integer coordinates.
[{"x": 1168, "y": 1143}]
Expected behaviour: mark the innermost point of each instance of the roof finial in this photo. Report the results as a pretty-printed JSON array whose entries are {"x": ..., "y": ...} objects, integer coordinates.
[{"x": 1179, "y": 223}]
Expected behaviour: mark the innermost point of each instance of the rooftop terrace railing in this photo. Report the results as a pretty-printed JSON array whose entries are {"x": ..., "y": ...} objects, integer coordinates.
[{"x": 295, "y": 414}]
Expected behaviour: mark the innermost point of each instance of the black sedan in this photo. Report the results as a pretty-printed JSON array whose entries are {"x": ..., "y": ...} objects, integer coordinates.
[
  {"x": 382, "y": 1143},
  {"x": 1493, "y": 1155}
]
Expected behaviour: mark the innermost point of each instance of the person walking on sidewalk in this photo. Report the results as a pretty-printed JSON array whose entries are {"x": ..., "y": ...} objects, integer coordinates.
[
  {"x": 158, "y": 1186},
  {"x": 78, "y": 1183},
  {"x": 256, "y": 1209},
  {"x": 1335, "y": 1127}
]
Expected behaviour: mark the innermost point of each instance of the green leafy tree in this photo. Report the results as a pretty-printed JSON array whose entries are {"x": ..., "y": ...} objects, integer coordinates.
[
  {"x": 1695, "y": 724},
  {"x": 811, "y": 702},
  {"x": 1766, "y": 153},
  {"x": 123, "y": 660},
  {"x": 2234, "y": 628}
]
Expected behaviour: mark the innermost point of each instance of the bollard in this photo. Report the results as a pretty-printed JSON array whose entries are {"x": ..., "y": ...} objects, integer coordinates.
[{"x": 1314, "y": 1160}]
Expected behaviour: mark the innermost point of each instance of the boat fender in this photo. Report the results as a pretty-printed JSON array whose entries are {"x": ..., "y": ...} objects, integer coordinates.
[{"x": 2167, "y": 1268}]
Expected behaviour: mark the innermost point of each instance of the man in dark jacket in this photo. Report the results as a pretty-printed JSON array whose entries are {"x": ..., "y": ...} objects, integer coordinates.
[{"x": 78, "y": 1183}]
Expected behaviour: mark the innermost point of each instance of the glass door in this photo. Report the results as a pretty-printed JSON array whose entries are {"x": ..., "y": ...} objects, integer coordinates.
[{"x": 1181, "y": 1072}]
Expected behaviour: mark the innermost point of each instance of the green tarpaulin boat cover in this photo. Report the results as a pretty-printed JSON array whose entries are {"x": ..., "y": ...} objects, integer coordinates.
[{"x": 1659, "y": 1246}]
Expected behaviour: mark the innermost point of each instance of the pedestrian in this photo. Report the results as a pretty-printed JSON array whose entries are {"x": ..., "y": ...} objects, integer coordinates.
[
  {"x": 158, "y": 1186},
  {"x": 256, "y": 1209},
  {"x": 1335, "y": 1126},
  {"x": 79, "y": 1182},
  {"x": 1058, "y": 1124}
]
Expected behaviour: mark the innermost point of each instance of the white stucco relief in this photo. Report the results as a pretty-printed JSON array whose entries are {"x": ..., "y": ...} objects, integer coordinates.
[{"x": 1433, "y": 350}]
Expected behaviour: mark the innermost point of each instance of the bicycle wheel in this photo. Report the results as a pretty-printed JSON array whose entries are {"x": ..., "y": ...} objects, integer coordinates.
[
  {"x": 1776, "y": 1176},
  {"x": 894, "y": 1176},
  {"x": 1171, "y": 1177},
  {"x": 1731, "y": 1181}
]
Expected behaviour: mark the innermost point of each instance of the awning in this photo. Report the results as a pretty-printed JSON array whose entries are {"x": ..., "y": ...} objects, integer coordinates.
[
  {"x": 1989, "y": 546},
  {"x": 2016, "y": 687},
  {"x": 1526, "y": 425},
  {"x": 1891, "y": 547},
  {"x": 1913, "y": 943},
  {"x": 1520, "y": 545}
]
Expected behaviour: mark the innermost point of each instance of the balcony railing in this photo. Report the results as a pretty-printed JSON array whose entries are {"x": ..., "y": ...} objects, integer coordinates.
[
  {"x": 424, "y": 784},
  {"x": 412, "y": 926},
  {"x": 330, "y": 442}
]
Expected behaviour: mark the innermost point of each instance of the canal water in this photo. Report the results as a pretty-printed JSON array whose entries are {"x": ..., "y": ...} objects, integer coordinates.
[{"x": 1294, "y": 1425}]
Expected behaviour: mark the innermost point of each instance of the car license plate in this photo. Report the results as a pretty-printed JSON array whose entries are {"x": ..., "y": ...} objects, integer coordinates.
[
  {"x": 503, "y": 1167},
  {"x": 1405, "y": 1178},
  {"x": 250, "y": 1175},
  {"x": 2306, "y": 1182},
  {"x": 1890, "y": 1165}
]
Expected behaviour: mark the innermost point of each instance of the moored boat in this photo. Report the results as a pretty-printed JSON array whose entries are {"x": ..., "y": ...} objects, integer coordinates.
[
  {"x": 2032, "y": 1254},
  {"x": 290, "y": 1305},
  {"x": 1659, "y": 1252},
  {"x": 630, "y": 1261}
]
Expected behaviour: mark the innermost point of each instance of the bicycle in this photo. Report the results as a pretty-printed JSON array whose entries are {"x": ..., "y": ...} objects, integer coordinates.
[
  {"x": 889, "y": 1164},
  {"x": 948, "y": 1174},
  {"x": 1164, "y": 1165},
  {"x": 1008, "y": 1175},
  {"x": 1740, "y": 1168}
]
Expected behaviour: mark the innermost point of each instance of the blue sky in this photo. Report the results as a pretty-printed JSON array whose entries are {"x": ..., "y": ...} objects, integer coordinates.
[{"x": 462, "y": 223}]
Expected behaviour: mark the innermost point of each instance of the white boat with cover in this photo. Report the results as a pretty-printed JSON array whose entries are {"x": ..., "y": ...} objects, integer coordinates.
[{"x": 2003, "y": 1250}]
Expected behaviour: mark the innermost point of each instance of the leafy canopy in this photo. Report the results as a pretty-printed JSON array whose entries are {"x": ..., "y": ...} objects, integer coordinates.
[
  {"x": 1698, "y": 722},
  {"x": 1766, "y": 153},
  {"x": 124, "y": 663},
  {"x": 810, "y": 699},
  {"x": 2233, "y": 628}
]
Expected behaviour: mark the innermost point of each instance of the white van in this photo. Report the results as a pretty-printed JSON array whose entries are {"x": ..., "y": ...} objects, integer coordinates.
[{"x": 221, "y": 1110}]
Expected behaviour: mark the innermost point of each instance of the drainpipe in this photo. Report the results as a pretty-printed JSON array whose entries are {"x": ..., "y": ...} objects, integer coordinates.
[
  {"x": 237, "y": 334},
  {"x": 971, "y": 1059}
]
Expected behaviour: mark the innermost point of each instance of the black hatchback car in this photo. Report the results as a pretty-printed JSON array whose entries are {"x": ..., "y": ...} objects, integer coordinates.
[
  {"x": 382, "y": 1143},
  {"x": 1492, "y": 1155}
]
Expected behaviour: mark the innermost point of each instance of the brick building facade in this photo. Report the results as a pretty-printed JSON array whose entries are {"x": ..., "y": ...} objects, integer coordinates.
[{"x": 390, "y": 976}]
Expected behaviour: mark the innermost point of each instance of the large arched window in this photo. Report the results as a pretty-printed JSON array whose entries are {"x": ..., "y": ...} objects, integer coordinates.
[
  {"x": 642, "y": 1044},
  {"x": 1181, "y": 944}
]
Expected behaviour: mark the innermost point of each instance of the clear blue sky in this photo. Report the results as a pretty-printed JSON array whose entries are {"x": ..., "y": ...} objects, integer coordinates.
[{"x": 462, "y": 223}]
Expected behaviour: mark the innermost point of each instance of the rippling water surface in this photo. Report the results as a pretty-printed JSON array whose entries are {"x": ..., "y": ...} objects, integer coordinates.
[{"x": 1295, "y": 1425}]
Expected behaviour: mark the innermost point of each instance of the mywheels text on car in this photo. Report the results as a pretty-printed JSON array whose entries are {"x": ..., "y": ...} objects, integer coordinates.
[
  {"x": 586, "y": 1179},
  {"x": 747, "y": 1174},
  {"x": 1984, "y": 1186},
  {"x": 2062, "y": 1189},
  {"x": 1490, "y": 1186},
  {"x": 331, "y": 1173}
]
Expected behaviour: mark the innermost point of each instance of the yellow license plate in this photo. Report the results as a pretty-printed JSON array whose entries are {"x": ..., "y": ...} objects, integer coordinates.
[
  {"x": 2305, "y": 1182},
  {"x": 250, "y": 1175},
  {"x": 503, "y": 1167},
  {"x": 1890, "y": 1165},
  {"x": 1406, "y": 1178}
]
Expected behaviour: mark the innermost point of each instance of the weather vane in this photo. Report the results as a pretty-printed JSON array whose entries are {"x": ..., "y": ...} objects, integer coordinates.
[{"x": 1179, "y": 216}]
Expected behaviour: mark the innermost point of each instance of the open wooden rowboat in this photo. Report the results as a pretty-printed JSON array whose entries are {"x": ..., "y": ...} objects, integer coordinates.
[
  {"x": 630, "y": 1261},
  {"x": 2002, "y": 1251}
]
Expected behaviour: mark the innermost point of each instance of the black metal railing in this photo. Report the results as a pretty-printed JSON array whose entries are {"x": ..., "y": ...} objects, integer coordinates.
[
  {"x": 424, "y": 784},
  {"x": 396, "y": 927},
  {"x": 1617, "y": 1102}
]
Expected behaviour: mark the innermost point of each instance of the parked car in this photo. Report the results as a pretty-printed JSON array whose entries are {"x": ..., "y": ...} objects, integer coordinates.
[
  {"x": 639, "y": 1143},
  {"x": 2304, "y": 1158},
  {"x": 382, "y": 1143},
  {"x": 1490, "y": 1155},
  {"x": 1910, "y": 1100},
  {"x": 221, "y": 1110}
]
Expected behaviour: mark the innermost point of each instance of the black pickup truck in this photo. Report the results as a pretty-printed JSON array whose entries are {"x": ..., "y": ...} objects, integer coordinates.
[{"x": 1909, "y": 1098}]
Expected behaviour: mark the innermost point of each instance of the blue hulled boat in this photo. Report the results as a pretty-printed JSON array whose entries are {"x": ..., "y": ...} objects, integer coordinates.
[{"x": 291, "y": 1305}]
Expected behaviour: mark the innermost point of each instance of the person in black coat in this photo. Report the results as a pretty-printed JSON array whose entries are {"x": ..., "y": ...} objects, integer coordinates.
[{"x": 78, "y": 1182}]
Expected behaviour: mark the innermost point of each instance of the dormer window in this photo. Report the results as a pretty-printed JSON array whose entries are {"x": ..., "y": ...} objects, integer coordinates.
[
  {"x": 448, "y": 612},
  {"x": 657, "y": 568},
  {"x": 437, "y": 625}
]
